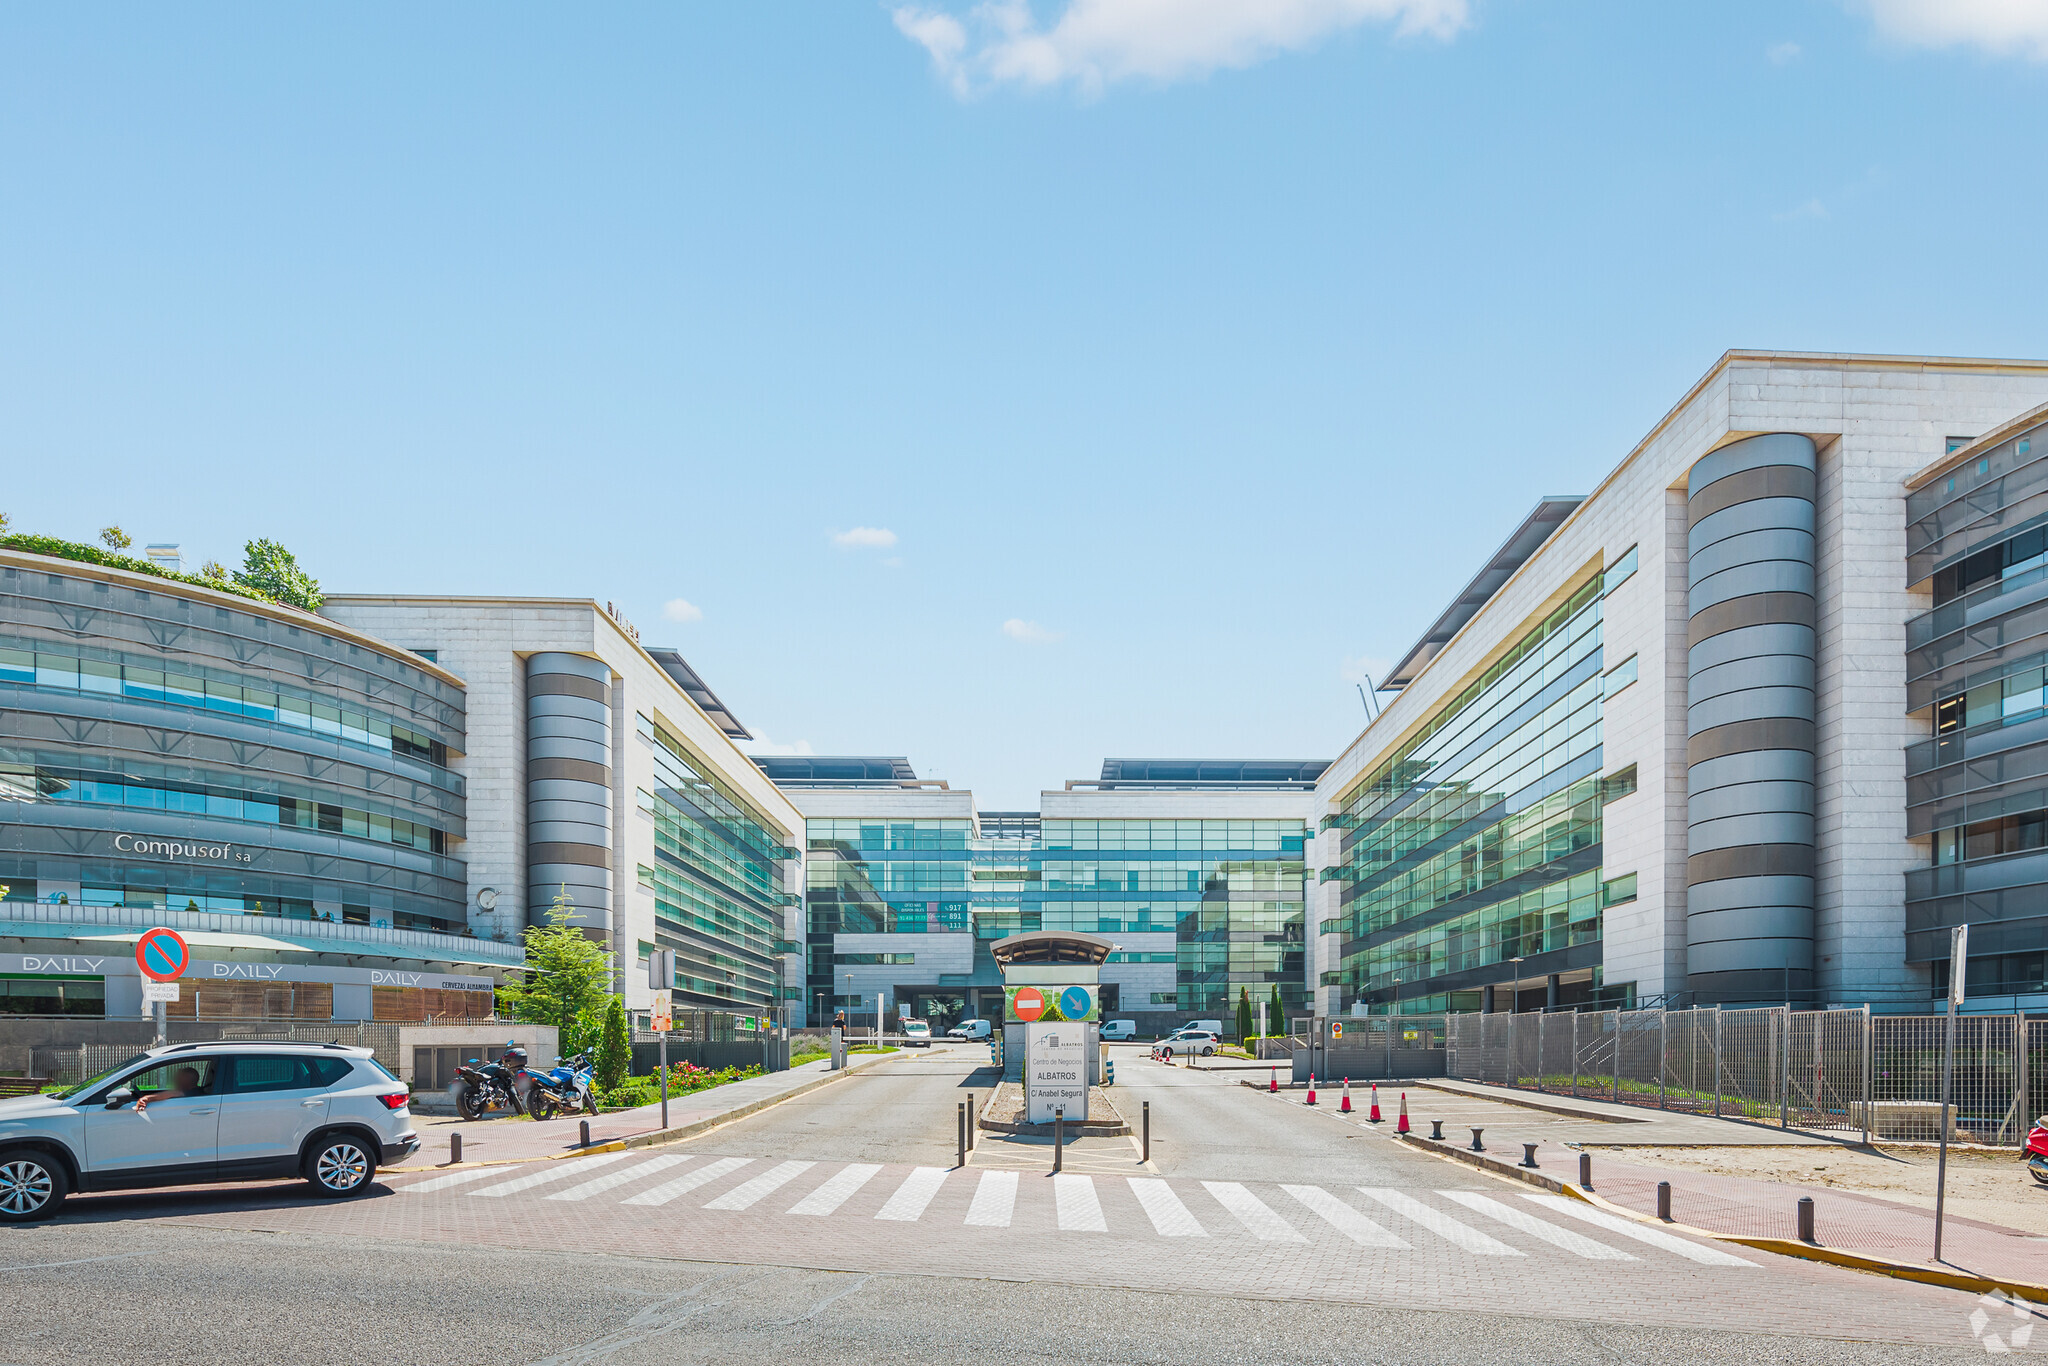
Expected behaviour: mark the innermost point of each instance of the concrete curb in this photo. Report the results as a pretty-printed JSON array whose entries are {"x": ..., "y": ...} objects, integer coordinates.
[
  {"x": 1784, "y": 1247},
  {"x": 674, "y": 1133}
]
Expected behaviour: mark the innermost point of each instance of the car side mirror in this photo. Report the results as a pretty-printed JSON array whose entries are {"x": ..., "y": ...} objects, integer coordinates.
[{"x": 118, "y": 1098}]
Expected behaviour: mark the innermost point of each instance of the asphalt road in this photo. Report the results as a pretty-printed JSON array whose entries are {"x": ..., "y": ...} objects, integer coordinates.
[{"x": 830, "y": 1229}]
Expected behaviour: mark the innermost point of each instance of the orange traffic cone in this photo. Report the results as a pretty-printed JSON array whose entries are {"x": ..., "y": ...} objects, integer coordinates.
[
  {"x": 1273, "y": 1080},
  {"x": 1374, "y": 1115},
  {"x": 1311, "y": 1089},
  {"x": 1345, "y": 1108},
  {"x": 1402, "y": 1126}
]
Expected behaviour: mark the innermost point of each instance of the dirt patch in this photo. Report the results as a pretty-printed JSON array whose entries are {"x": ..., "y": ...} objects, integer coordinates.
[{"x": 1993, "y": 1187}]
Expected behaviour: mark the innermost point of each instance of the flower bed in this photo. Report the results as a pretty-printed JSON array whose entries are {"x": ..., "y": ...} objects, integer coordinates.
[{"x": 683, "y": 1078}]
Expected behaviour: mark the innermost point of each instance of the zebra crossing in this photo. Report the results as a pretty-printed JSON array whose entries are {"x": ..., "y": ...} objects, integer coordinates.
[{"x": 1474, "y": 1222}]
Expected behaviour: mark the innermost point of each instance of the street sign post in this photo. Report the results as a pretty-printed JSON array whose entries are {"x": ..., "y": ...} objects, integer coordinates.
[
  {"x": 163, "y": 956},
  {"x": 1958, "y": 953},
  {"x": 661, "y": 981}
]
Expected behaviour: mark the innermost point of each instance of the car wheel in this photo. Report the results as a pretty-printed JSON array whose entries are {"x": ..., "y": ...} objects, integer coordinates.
[
  {"x": 1207, "y": 1051},
  {"x": 31, "y": 1186},
  {"x": 340, "y": 1165}
]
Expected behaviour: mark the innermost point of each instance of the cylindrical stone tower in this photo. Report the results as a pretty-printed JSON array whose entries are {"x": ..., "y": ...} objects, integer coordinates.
[
  {"x": 1750, "y": 722},
  {"x": 568, "y": 786}
]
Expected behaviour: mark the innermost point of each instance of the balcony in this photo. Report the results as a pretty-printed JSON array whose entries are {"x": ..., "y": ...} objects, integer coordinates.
[{"x": 36, "y": 920}]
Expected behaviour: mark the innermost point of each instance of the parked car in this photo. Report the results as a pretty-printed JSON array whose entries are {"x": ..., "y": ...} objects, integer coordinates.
[
  {"x": 970, "y": 1029},
  {"x": 1119, "y": 1031},
  {"x": 205, "y": 1112},
  {"x": 1186, "y": 1042},
  {"x": 917, "y": 1034}
]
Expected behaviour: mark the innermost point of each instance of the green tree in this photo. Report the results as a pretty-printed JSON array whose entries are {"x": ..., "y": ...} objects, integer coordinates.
[
  {"x": 614, "y": 1048},
  {"x": 270, "y": 569},
  {"x": 566, "y": 981},
  {"x": 1276, "y": 1014},
  {"x": 213, "y": 571},
  {"x": 115, "y": 538},
  {"x": 4, "y": 524},
  {"x": 1245, "y": 1027}
]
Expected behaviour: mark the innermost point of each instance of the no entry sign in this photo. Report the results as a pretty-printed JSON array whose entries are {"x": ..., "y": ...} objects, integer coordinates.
[
  {"x": 162, "y": 955},
  {"x": 1029, "y": 1003}
]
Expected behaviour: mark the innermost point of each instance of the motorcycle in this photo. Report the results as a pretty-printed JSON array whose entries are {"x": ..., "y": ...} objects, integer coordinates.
[
  {"x": 2036, "y": 1151},
  {"x": 564, "y": 1090},
  {"x": 481, "y": 1087}
]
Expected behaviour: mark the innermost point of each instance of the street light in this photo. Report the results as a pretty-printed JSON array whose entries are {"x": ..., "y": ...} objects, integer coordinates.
[{"x": 1515, "y": 991}]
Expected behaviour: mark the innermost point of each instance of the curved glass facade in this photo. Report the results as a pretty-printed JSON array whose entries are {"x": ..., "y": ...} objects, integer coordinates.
[{"x": 165, "y": 749}]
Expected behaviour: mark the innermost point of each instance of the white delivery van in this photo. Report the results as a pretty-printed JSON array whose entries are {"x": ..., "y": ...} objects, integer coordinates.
[
  {"x": 1118, "y": 1031},
  {"x": 970, "y": 1029}
]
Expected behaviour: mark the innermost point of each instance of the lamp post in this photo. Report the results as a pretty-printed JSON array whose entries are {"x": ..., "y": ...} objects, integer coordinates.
[{"x": 1515, "y": 988}]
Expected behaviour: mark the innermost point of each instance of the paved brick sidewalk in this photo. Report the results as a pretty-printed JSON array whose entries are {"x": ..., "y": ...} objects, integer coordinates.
[
  {"x": 1844, "y": 1220},
  {"x": 518, "y": 1139}
]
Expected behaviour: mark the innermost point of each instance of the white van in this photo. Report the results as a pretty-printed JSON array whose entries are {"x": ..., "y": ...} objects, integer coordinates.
[
  {"x": 1206, "y": 1026},
  {"x": 1119, "y": 1031},
  {"x": 970, "y": 1030}
]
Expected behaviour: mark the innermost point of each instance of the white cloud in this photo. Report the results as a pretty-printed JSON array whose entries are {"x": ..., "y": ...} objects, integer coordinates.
[
  {"x": 2001, "y": 26},
  {"x": 1365, "y": 669},
  {"x": 763, "y": 745},
  {"x": 682, "y": 609},
  {"x": 1095, "y": 42},
  {"x": 1030, "y": 632},
  {"x": 864, "y": 538},
  {"x": 1811, "y": 209},
  {"x": 1778, "y": 54}
]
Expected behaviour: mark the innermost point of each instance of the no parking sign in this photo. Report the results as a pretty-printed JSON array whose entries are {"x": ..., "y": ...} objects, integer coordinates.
[{"x": 162, "y": 955}]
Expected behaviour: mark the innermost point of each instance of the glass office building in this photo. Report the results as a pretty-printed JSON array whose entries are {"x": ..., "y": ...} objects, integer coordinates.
[
  {"x": 907, "y": 883},
  {"x": 1977, "y": 790},
  {"x": 1471, "y": 856},
  {"x": 274, "y": 786}
]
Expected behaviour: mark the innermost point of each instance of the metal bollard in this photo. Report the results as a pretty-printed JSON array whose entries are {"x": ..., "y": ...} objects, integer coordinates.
[
  {"x": 961, "y": 1111},
  {"x": 1146, "y": 1152},
  {"x": 454, "y": 1148},
  {"x": 1664, "y": 1201},
  {"x": 1529, "y": 1156},
  {"x": 1586, "y": 1171},
  {"x": 1477, "y": 1146},
  {"x": 973, "y": 1121},
  {"x": 583, "y": 1131},
  {"x": 1806, "y": 1219},
  {"x": 1059, "y": 1134},
  {"x": 1436, "y": 1131}
]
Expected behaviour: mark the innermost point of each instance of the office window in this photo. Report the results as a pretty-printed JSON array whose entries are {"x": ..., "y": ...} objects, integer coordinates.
[
  {"x": 1617, "y": 785},
  {"x": 1620, "y": 676},
  {"x": 1617, "y": 890},
  {"x": 1619, "y": 572}
]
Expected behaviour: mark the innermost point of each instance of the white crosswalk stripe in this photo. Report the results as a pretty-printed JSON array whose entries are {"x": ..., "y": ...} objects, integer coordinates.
[
  {"x": 747, "y": 1192},
  {"x": 837, "y": 1191},
  {"x": 1170, "y": 1218},
  {"x": 995, "y": 1200},
  {"x": 908, "y": 1203},
  {"x": 440, "y": 1183},
  {"x": 1705, "y": 1256},
  {"x": 1577, "y": 1244},
  {"x": 550, "y": 1171},
  {"x": 1439, "y": 1223},
  {"x": 1343, "y": 1217},
  {"x": 611, "y": 1180},
  {"x": 1250, "y": 1211},
  {"x": 689, "y": 1181},
  {"x": 1079, "y": 1210}
]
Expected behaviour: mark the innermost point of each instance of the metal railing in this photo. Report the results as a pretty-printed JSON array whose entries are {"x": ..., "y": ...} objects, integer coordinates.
[
  {"x": 1877, "y": 1077},
  {"x": 426, "y": 944}
]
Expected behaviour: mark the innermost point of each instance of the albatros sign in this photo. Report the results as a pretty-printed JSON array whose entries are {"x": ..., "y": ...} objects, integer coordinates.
[{"x": 172, "y": 850}]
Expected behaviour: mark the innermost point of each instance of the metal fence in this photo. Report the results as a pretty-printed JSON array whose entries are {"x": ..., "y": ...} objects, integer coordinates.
[
  {"x": 1875, "y": 1076},
  {"x": 75, "y": 1062}
]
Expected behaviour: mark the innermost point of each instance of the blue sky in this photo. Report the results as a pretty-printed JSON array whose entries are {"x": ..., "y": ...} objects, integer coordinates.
[{"x": 1169, "y": 357}]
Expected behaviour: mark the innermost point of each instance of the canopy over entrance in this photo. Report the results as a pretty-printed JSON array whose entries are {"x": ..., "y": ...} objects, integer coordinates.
[{"x": 1051, "y": 948}]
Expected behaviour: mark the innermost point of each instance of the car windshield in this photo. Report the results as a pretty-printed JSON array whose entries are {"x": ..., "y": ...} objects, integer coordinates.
[{"x": 68, "y": 1092}]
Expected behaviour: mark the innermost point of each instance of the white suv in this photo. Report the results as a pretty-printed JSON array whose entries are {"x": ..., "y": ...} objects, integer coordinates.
[{"x": 195, "y": 1113}]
